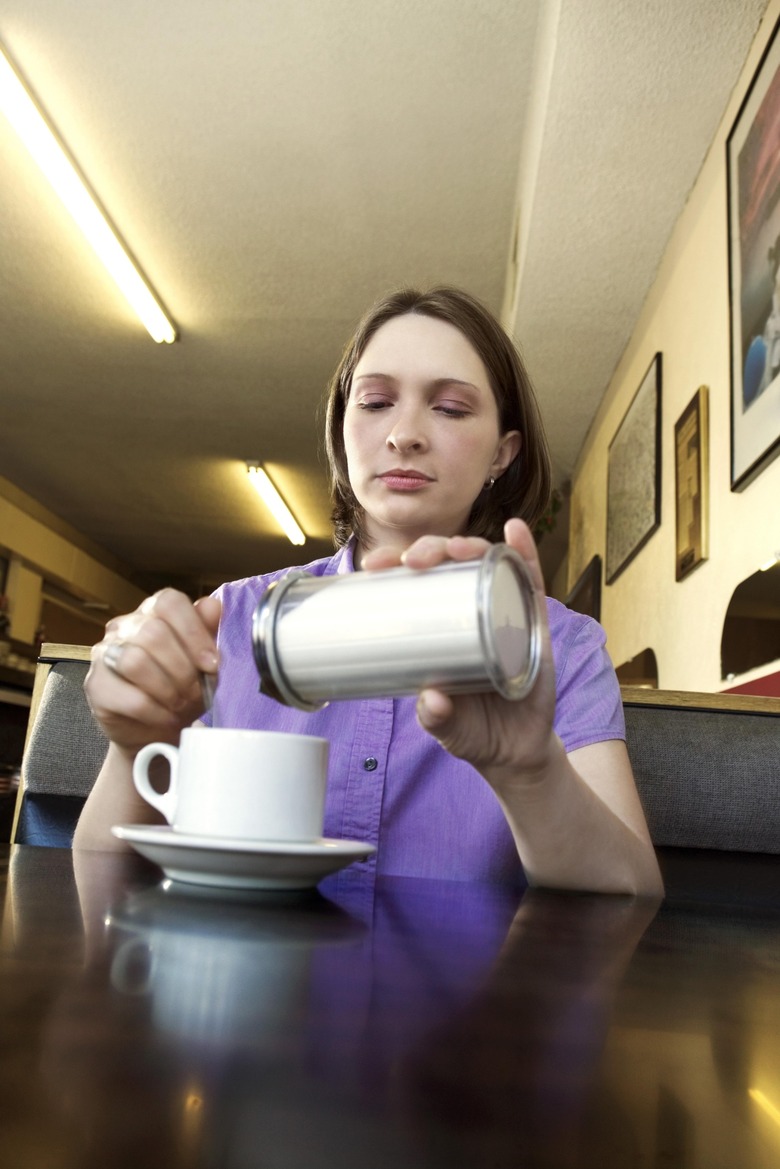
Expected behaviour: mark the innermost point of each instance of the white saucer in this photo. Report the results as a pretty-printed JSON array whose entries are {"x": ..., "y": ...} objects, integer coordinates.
[{"x": 240, "y": 864}]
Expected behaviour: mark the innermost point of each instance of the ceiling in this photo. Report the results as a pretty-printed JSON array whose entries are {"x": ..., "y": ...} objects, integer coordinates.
[{"x": 274, "y": 167}]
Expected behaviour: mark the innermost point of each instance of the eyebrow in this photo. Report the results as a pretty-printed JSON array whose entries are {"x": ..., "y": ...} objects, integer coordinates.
[{"x": 437, "y": 382}]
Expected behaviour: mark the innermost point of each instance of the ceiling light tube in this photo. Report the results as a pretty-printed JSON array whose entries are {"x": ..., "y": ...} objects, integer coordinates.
[
  {"x": 764, "y": 1102},
  {"x": 22, "y": 112},
  {"x": 262, "y": 484}
]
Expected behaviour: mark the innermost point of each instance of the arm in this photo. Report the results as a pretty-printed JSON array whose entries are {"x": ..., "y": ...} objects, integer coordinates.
[
  {"x": 144, "y": 686},
  {"x": 576, "y": 819},
  {"x": 113, "y": 800},
  {"x": 580, "y": 825}
]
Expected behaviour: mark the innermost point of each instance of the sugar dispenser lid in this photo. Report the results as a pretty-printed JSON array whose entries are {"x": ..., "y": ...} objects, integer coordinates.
[
  {"x": 273, "y": 680},
  {"x": 509, "y": 625}
]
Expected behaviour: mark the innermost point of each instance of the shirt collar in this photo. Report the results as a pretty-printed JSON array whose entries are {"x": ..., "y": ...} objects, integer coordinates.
[{"x": 346, "y": 555}]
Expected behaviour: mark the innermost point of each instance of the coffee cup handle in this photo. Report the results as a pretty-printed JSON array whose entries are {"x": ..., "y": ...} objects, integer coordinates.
[{"x": 164, "y": 802}]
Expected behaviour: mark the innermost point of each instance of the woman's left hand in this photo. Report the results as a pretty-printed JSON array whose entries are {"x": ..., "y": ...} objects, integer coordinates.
[{"x": 509, "y": 742}]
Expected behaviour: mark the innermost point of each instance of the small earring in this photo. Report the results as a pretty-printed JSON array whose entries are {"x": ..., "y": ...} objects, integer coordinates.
[{"x": 489, "y": 483}]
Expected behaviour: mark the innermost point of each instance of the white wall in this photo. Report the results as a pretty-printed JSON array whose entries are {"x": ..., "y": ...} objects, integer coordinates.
[{"x": 686, "y": 317}]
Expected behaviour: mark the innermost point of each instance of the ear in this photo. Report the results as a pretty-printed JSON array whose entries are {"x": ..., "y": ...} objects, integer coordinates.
[{"x": 508, "y": 449}]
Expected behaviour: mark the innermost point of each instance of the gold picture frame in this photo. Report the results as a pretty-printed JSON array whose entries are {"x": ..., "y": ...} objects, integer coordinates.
[{"x": 692, "y": 481}]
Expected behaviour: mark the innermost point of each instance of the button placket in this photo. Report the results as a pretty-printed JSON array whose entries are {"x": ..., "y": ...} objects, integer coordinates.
[{"x": 362, "y": 809}]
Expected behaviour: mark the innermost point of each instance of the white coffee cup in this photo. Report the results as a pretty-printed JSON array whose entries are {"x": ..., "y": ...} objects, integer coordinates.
[{"x": 245, "y": 785}]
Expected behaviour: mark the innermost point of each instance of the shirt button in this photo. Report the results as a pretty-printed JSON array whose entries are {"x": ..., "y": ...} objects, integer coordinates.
[{"x": 370, "y": 764}]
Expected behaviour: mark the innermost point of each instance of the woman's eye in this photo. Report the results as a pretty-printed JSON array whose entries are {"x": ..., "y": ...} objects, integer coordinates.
[
  {"x": 372, "y": 404},
  {"x": 451, "y": 411}
]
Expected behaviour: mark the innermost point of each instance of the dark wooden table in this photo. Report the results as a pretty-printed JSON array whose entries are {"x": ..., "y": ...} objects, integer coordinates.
[{"x": 403, "y": 1024}]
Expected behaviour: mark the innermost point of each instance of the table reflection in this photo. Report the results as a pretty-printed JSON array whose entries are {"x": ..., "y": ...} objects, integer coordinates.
[{"x": 399, "y": 1022}]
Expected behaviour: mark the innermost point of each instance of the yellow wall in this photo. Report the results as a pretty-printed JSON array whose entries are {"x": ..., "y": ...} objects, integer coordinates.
[
  {"x": 41, "y": 548},
  {"x": 23, "y": 589},
  {"x": 686, "y": 318}
]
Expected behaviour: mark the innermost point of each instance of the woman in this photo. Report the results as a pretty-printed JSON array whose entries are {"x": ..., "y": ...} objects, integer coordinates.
[{"x": 435, "y": 448}]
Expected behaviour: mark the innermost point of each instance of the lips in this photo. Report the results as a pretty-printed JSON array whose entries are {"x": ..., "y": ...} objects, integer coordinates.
[{"x": 403, "y": 479}]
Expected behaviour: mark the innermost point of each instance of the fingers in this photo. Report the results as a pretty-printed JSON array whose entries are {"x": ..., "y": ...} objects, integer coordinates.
[
  {"x": 427, "y": 552},
  {"x": 153, "y": 662},
  {"x": 146, "y": 673},
  {"x": 123, "y": 709},
  {"x": 209, "y": 610},
  {"x": 175, "y": 611},
  {"x": 432, "y": 550},
  {"x": 518, "y": 535},
  {"x": 434, "y": 709},
  {"x": 380, "y": 558}
]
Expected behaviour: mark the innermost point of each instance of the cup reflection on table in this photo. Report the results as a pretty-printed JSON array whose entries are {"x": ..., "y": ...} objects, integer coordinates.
[{"x": 214, "y": 976}]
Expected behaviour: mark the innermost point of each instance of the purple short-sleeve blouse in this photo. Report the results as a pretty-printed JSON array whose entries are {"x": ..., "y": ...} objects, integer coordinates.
[{"x": 389, "y": 782}]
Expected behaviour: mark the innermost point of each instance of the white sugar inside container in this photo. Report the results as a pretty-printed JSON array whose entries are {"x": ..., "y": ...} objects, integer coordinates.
[{"x": 464, "y": 626}]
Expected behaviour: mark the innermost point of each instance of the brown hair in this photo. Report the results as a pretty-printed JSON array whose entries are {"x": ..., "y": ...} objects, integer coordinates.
[{"x": 524, "y": 488}]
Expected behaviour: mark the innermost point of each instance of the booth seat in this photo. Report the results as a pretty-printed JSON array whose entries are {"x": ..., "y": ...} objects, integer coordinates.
[
  {"x": 64, "y": 750},
  {"x": 707, "y": 766}
]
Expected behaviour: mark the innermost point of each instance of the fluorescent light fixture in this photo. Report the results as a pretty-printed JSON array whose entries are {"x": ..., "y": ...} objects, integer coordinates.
[
  {"x": 22, "y": 112},
  {"x": 764, "y": 1102},
  {"x": 770, "y": 563},
  {"x": 262, "y": 484}
]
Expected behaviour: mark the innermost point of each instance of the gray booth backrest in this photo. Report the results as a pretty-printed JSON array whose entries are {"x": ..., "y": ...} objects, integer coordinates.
[
  {"x": 707, "y": 778},
  {"x": 66, "y": 747}
]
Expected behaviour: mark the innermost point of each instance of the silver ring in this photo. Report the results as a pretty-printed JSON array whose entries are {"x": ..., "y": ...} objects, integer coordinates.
[{"x": 112, "y": 655}]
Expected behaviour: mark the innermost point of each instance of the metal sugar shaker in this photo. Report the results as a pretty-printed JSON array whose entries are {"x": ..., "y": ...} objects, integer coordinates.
[{"x": 462, "y": 627}]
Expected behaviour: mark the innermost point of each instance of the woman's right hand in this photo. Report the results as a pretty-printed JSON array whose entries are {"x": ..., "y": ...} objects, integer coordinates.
[{"x": 144, "y": 683}]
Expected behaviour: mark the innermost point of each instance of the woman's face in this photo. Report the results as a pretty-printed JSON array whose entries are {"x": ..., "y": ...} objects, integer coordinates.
[{"x": 421, "y": 430}]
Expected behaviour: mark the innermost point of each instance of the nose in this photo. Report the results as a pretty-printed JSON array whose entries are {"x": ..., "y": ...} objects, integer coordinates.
[{"x": 408, "y": 431}]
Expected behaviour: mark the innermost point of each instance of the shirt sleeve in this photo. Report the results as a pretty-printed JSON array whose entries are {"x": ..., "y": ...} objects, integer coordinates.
[{"x": 589, "y": 708}]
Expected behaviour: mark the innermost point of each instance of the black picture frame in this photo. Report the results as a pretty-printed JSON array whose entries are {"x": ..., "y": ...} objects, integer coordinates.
[
  {"x": 753, "y": 197},
  {"x": 585, "y": 597},
  {"x": 634, "y": 475}
]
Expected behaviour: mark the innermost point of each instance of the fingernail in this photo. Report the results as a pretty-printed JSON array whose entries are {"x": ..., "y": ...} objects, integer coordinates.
[
  {"x": 423, "y": 711},
  {"x": 208, "y": 661}
]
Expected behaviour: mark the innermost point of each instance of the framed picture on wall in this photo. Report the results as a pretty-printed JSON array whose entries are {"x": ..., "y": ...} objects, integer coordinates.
[
  {"x": 753, "y": 173},
  {"x": 585, "y": 597},
  {"x": 691, "y": 475},
  {"x": 634, "y": 475}
]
